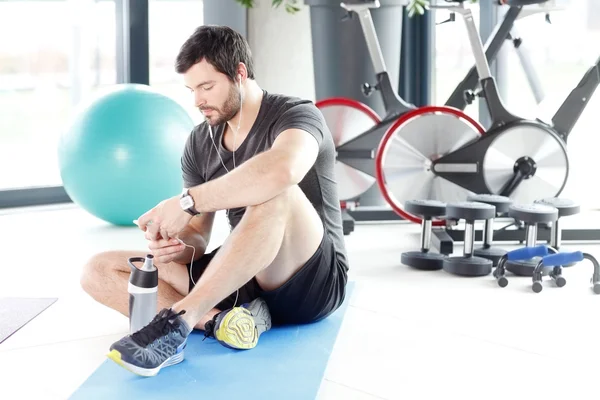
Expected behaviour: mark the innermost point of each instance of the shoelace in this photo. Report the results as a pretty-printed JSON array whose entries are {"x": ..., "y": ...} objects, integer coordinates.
[
  {"x": 160, "y": 326},
  {"x": 209, "y": 328}
]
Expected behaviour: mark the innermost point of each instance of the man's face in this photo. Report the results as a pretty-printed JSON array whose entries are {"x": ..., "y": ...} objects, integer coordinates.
[{"x": 214, "y": 94}]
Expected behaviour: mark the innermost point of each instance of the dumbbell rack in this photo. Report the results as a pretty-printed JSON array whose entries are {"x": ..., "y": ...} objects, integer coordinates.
[{"x": 443, "y": 238}]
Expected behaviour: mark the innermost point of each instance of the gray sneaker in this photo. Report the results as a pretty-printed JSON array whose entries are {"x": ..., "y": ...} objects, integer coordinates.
[
  {"x": 159, "y": 344},
  {"x": 240, "y": 327}
]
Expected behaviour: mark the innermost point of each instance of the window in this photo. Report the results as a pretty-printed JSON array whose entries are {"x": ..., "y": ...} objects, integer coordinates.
[
  {"x": 54, "y": 55},
  {"x": 561, "y": 52},
  {"x": 453, "y": 56},
  {"x": 171, "y": 23}
]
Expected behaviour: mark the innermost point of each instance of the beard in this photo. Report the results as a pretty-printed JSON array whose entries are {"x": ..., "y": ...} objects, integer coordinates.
[{"x": 227, "y": 111}]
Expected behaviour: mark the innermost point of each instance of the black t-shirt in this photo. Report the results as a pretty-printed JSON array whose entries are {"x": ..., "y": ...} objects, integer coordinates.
[{"x": 201, "y": 163}]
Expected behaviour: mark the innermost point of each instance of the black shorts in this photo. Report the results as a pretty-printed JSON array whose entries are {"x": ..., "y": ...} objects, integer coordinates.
[{"x": 311, "y": 294}]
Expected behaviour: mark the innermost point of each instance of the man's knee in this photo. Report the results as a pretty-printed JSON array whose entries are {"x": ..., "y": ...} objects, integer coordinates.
[
  {"x": 278, "y": 205},
  {"x": 95, "y": 270}
]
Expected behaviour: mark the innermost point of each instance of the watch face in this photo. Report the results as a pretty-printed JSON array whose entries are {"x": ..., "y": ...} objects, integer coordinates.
[{"x": 186, "y": 202}]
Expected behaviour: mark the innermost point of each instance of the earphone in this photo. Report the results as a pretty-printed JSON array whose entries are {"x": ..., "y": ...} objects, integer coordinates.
[
  {"x": 224, "y": 166},
  {"x": 222, "y": 163}
]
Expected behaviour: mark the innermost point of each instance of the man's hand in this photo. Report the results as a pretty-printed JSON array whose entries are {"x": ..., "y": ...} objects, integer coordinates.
[
  {"x": 166, "y": 251},
  {"x": 165, "y": 221}
]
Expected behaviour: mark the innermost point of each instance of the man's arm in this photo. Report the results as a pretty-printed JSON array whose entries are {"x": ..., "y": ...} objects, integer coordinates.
[
  {"x": 196, "y": 234},
  {"x": 262, "y": 177}
]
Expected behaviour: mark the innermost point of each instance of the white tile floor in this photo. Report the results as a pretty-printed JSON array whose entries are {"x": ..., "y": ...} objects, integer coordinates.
[{"x": 407, "y": 334}]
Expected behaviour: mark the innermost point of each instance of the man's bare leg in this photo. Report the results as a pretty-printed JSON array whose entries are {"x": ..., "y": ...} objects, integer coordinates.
[
  {"x": 272, "y": 241},
  {"x": 106, "y": 275}
]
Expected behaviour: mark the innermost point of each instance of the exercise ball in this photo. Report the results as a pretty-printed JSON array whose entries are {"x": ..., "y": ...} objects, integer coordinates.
[{"x": 121, "y": 154}]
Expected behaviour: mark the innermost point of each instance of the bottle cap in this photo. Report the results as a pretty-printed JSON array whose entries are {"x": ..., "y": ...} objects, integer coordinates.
[{"x": 149, "y": 263}]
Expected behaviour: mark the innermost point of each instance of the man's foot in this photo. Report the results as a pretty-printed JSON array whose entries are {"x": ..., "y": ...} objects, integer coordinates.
[
  {"x": 157, "y": 345},
  {"x": 239, "y": 327}
]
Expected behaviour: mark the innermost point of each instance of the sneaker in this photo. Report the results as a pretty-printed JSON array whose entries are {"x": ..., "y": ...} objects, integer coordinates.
[
  {"x": 159, "y": 344},
  {"x": 240, "y": 327}
]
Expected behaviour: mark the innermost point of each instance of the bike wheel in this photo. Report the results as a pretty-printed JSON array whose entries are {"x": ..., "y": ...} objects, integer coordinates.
[
  {"x": 407, "y": 150},
  {"x": 348, "y": 119},
  {"x": 540, "y": 146}
]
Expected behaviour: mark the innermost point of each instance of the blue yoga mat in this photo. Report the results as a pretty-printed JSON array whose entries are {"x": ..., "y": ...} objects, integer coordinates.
[{"x": 288, "y": 363}]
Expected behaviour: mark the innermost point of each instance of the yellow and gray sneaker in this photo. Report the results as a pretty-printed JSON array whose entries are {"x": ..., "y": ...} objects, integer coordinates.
[{"x": 240, "y": 327}]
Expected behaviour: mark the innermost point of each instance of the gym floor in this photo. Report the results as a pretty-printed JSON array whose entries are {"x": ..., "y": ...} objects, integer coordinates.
[{"x": 407, "y": 334}]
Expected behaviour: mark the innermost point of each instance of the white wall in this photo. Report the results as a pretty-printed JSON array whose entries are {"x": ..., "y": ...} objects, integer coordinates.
[{"x": 282, "y": 48}]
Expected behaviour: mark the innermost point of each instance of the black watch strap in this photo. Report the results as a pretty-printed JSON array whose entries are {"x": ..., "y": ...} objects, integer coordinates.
[{"x": 192, "y": 211}]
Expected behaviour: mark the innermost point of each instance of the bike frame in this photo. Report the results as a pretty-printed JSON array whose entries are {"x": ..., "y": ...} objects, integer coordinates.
[{"x": 361, "y": 147}]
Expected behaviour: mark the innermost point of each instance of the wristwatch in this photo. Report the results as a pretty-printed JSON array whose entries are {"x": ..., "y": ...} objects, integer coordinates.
[{"x": 187, "y": 203}]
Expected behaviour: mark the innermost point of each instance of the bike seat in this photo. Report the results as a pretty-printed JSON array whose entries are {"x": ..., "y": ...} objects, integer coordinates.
[{"x": 521, "y": 3}]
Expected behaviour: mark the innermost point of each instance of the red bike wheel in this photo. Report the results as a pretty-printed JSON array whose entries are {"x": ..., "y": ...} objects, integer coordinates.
[
  {"x": 348, "y": 119},
  {"x": 407, "y": 150}
]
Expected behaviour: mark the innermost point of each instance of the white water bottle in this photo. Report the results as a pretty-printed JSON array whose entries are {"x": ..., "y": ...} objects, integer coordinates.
[{"x": 143, "y": 292}]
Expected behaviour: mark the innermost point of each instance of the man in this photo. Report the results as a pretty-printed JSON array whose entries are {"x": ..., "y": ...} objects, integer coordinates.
[{"x": 269, "y": 161}]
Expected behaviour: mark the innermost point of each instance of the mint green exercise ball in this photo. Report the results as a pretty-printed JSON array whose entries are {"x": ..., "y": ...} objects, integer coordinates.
[{"x": 121, "y": 155}]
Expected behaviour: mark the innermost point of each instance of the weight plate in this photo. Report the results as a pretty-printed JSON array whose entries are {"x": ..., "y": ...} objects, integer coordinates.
[
  {"x": 524, "y": 267},
  {"x": 494, "y": 254},
  {"x": 535, "y": 142},
  {"x": 502, "y": 203},
  {"x": 470, "y": 211},
  {"x": 565, "y": 207},
  {"x": 424, "y": 261},
  {"x": 348, "y": 119},
  {"x": 467, "y": 266},
  {"x": 425, "y": 208},
  {"x": 533, "y": 213},
  {"x": 404, "y": 156}
]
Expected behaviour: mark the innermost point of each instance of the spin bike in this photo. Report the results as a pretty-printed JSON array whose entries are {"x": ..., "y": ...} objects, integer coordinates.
[
  {"x": 358, "y": 130},
  {"x": 519, "y": 158}
]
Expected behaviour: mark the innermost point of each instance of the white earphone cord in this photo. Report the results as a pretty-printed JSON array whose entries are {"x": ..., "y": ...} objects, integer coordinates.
[
  {"x": 234, "y": 134},
  {"x": 237, "y": 292}
]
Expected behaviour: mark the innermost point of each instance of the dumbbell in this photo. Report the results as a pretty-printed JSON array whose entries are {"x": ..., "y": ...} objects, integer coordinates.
[
  {"x": 469, "y": 264},
  {"x": 426, "y": 209},
  {"x": 565, "y": 208},
  {"x": 530, "y": 215},
  {"x": 502, "y": 203}
]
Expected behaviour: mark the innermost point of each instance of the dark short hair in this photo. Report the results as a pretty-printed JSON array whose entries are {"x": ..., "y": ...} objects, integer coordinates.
[{"x": 220, "y": 46}]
